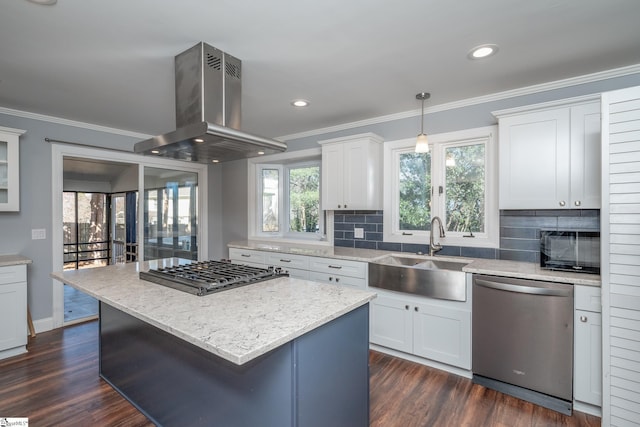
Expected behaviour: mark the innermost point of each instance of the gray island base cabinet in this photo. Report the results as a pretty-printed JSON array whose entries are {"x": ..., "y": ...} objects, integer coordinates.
[{"x": 318, "y": 379}]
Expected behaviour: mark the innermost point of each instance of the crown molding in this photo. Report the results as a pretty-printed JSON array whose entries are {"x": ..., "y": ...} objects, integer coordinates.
[
  {"x": 66, "y": 122},
  {"x": 527, "y": 90}
]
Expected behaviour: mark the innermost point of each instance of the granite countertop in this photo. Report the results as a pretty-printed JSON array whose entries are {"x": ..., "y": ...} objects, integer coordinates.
[
  {"x": 516, "y": 269},
  {"x": 8, "y": 260},
  {"x": 238, "y": 324},
  {"x": 324, "y": 251}
]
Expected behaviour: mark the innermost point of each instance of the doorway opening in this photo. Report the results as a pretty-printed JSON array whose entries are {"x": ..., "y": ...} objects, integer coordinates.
[{"x": 99, "y": 223}]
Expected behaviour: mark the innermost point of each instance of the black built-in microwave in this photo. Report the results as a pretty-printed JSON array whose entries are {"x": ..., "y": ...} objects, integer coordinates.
[{"x": 570, "y": 250}]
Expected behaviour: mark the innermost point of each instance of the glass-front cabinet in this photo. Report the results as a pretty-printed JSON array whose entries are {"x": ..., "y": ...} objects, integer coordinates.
[{"x": 9, "y": 169}]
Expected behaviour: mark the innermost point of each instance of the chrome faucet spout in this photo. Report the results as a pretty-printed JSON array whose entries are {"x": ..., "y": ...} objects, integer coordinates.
[{"x": 433, "y": 246}]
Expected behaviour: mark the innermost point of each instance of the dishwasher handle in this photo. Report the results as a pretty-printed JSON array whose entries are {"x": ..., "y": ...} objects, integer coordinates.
[{"x": 533, "y": 290}]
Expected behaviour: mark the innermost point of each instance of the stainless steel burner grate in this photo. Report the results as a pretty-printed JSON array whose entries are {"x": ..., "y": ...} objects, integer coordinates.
[{"x": 207, "y": 277}]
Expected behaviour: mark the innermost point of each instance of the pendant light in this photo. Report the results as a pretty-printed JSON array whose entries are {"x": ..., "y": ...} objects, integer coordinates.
[{"x": 422, "y": 145}]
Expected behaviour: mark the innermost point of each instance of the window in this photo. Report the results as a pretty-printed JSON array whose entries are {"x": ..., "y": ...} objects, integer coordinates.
[
  {"x": 284, "y": 196},
  {"x": 455, "y": 181},
  {"x": 289, "y": 200}
]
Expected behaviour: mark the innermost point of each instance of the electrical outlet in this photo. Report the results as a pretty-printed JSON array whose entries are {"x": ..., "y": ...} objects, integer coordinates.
[
  {"x": 38, "y": 234},
  {"x": 358, "y": 233}
]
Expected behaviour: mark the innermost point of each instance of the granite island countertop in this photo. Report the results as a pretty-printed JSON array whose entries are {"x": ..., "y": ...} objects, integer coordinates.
[
  {"x": 495, "y": 267},
  {"x": 237, "y": 324}
]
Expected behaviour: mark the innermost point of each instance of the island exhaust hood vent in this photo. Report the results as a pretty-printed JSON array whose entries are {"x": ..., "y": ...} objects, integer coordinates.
[{"x": 208, "y": 98}]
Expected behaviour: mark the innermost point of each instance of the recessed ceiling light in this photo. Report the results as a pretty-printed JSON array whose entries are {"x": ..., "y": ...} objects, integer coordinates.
[
  {"x": 155, "y": 152},
  {"x": 300, "y": 103},
  {"x": 215, "y": 161},
  {"x": 199, "y": 140},
  {"x": 47, "y": 2},
  {"x": 261, "y": 152},
  {"x": 482, "y": 51}
]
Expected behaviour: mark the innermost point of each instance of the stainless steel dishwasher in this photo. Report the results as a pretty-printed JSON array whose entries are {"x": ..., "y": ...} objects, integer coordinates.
[{"x": 523, "y": 339}]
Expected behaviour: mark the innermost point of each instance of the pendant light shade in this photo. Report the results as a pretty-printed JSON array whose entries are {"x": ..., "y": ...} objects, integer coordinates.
[{"x": 422, "y": 144}]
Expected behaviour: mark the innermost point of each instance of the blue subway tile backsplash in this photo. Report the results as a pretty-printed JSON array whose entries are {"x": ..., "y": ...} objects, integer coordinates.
[{"x": 519, "y": 233}]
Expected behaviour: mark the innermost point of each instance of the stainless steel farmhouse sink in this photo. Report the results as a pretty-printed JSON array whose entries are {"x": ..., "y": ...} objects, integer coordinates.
[{"x": 434, "y": 278}]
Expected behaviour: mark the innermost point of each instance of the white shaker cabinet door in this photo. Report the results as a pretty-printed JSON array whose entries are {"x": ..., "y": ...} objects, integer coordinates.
[
  {"x": 534, "y": 168},
  {"x": 391, "y": 323}
]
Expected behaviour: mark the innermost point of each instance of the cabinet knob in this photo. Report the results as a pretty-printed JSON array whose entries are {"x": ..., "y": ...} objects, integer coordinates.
[
  {"x": 562, "y": 203},
  {"x": 337, "y": 279},
  {"x": 577, "y": 202},
  {"x": 331, "y": 279},
  {"x": 345, "y": 206},
  {"x": 406, "y": 307},
  {"x": 583, "y": 319},
  {"x": 339, "y": 206},
  {"x": 415, "y": 308}
]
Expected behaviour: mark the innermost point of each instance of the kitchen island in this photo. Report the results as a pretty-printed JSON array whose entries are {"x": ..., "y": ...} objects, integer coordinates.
[{"x": 282, "y": 352}]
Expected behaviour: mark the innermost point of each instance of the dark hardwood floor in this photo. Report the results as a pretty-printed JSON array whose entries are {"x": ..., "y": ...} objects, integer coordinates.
[{"x": 56, "y": 383}]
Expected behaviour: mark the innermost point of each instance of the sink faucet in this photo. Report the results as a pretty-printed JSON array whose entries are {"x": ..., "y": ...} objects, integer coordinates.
[{"x": 435, "y": 247}]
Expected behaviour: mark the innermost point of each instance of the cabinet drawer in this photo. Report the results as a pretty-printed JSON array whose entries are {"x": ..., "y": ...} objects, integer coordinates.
[
  {"x": 338, "y": 266},
  {"x": 246, "y": 256},
  {"x": 13, "y": 274},
  {"x": 337, "y": 279},
  {"x": 287, "y": 261},
  {"x": 588, "y": 298}
]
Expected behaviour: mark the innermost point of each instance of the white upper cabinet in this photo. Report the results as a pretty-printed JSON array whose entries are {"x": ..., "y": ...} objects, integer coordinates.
[
  {"x": 352, "y": 173},
  {"x": 9, "y": 169},
  {"x": 549, "y": 156}
]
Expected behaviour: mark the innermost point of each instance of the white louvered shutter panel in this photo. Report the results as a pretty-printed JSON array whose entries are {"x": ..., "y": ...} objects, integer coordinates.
[{"x": 620, "y": 238}]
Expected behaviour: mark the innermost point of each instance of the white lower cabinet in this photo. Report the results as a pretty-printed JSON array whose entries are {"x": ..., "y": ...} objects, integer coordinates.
[
  {"x": 434, "y": 329},
  {"x": 323, "y": 270},
  {"x": 13, "y": 309},
  {"x": 587, "y": 363},
  {"x": 247, "y": 257}
]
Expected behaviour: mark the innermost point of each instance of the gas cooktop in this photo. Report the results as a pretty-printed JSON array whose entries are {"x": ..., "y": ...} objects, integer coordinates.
[{"x": 207, "y": 277}]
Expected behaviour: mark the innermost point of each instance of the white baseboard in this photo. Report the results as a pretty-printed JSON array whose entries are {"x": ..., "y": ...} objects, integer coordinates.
[
  {"x": 43, "y": 325},
  {"x": 587, "y": 408},
  {"x": 431, "y": 363}
]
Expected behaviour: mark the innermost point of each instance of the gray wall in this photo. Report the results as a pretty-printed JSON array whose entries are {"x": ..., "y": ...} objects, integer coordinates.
[{"x": 35, "y": 200}]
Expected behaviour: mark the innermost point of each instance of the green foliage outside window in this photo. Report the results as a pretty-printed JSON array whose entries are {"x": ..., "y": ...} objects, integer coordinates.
[
  {"x": 415, "y": 191},
  {"x": 465, "y": 184},
  {"x": 304, "y": 199}
]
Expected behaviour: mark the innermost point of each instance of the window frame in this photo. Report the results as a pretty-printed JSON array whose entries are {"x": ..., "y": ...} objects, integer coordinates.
[
  {"x": 437, "y": 147},
  {"x": 283, "y": 162}
]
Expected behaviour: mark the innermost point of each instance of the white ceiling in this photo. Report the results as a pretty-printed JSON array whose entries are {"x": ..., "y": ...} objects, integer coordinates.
[{"x": 111, "y": 63}]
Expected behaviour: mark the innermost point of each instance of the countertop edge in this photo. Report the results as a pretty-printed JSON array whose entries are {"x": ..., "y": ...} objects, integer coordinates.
[{"x": 12, "y": 259}]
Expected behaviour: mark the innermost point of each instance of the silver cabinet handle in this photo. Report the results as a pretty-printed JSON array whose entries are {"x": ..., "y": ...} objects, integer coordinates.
[
  {"x": 583, "y": 318},
  {"x": 285, "y": 260},
  {"x": 578, "y": 203},
  {"x": 337, "y": 267},
  {"x": 562, "y": 203},
  {"x": 522, "y": 289},
  {"x": 245, "y": 255}
]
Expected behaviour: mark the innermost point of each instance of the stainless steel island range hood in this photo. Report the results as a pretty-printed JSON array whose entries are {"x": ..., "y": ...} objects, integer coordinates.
[{"x": 208, "y": 99}]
